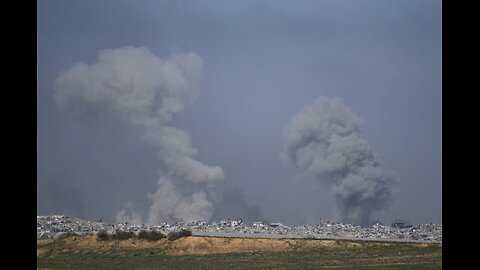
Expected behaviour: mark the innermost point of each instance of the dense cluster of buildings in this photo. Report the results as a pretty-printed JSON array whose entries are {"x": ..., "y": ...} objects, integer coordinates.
[{"x": 49, "y": 226}]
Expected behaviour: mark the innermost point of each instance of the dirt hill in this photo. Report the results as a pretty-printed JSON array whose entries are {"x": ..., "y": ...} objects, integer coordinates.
[{"x": 196, "y": 245}]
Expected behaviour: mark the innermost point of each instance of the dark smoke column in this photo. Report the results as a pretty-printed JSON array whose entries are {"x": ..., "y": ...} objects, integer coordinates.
[{"x": 323, "y": 140}]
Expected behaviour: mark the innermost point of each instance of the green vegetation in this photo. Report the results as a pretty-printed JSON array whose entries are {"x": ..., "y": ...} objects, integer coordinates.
[
  {"x": 147, "y": 235},
  {"x": 61, "y": 236},
  {"x": 103, "y": 235},
  {"x": 176, "y": 235},
  {"x": 119, "y": 235},
  {"x": 265, "y": 260},
  {"x": 151, "y": 235}
]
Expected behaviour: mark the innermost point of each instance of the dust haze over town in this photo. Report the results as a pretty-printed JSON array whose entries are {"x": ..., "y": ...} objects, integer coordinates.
[{"x": 286, "y": 111}]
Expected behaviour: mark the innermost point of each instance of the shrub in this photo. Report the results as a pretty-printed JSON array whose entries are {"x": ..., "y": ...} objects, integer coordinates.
[
  {"x": 121, "y": 235},
  {"x": 176, "y": 235},
  {"x": 151, "y": 235},
  {"x": 172, "y": 236},
  {"x": 103, "y": 235},
  {"x": 61, "y": 236}
]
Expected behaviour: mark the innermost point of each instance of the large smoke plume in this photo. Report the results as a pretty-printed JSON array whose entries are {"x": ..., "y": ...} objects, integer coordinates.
[
  {"x": 147, "y": 92},
  {"x": 323, "y": 140}
]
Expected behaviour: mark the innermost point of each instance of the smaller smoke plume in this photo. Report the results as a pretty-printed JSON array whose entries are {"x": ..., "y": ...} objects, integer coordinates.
[
  {"x": 232, "y": 204},
  {"x": 129, "y": 215},
  {"x": 323, "y": 140},
  {"x": 171, "y": 202}
]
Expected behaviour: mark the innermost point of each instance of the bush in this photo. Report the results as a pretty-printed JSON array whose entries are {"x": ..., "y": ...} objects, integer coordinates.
[
  {"x": 151, "y": 235},
  {"x": 103, "y": 235},
  {"x": 121, "y": 235},
  {"x": 61, "y": 236},
  {"x": 176, "y": 235}
]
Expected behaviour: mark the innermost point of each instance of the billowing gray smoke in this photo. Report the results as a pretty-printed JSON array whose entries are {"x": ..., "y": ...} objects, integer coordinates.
[
  {"x": 147, "y": 92},
  {"x": 323, "y": 140},
  {"x": 232, "y": 204}
]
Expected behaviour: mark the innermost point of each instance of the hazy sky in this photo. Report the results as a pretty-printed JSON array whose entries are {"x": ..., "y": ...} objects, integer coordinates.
[{"x": 262, "y": 62}]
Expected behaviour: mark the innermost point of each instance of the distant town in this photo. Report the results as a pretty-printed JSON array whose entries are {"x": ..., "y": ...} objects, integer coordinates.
[{"x": 52, "y": 225}]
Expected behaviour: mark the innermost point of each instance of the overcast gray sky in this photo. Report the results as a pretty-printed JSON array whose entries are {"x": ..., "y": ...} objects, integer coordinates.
[{"x": 262, "y": 62}]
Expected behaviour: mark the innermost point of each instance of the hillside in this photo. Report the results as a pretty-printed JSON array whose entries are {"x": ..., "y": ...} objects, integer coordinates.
[{"x": 236, "y": 253}]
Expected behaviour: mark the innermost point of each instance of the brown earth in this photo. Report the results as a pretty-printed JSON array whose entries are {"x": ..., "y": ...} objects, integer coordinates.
[{"x": 193, "y": 245}]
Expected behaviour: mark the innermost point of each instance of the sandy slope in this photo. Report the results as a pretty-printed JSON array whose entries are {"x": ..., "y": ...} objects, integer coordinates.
[{"x": 194, "y": 245}]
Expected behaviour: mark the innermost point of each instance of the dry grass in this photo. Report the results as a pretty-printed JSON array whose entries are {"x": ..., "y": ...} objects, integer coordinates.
[{"x": 199, "y": 245}]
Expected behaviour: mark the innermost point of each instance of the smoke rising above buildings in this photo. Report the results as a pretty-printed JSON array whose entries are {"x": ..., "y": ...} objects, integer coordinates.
[
  {"x": 323, "y": 140},
  {"x": 147, "y": 91}
]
